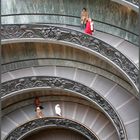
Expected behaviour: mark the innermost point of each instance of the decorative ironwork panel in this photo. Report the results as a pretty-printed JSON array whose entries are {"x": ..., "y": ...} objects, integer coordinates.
[
  {"x": 30, "y": 126},
  {"x": 65, "y": 84},
  {"x": 135, "y": 2},
  {"x": 75, "y": 37}
]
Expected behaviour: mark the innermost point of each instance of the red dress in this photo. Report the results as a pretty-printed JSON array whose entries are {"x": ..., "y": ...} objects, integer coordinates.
[
  {"x": 37, "y": 102},
  {"x": 88, "y": 28}
]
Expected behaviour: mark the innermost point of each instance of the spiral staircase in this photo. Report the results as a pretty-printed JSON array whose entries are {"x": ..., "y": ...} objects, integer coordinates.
[{"x": 93, "y": 78}]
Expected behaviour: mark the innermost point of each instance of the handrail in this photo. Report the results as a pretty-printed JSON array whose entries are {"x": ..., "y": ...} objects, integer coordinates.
[
  {"x": 39, "y": 58},
  {"x": 135, "y": 2},
  {"x": 90, "y": 44},
  {"x": 34, "y": 82},
  {"x": 38, "y": 14},
  {"x": 33, "y": 62},
  {"x": 47, "y": 122}
]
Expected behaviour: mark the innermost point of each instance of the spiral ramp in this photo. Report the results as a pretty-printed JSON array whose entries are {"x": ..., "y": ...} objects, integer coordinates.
[
  {"x": 123, "y": 102},
  {"x": 73, "y": 111},
  {"x": 130, "y": 50},
  {"x": 33, "y": 59}
]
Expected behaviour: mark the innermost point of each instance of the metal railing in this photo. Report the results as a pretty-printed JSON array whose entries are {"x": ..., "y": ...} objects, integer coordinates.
[
  {"x": 69, "y": 20},
  {"x": 90, "y": 43},
  {"x": 34, "y": 82},
  {"x": 135, "y": 2}
]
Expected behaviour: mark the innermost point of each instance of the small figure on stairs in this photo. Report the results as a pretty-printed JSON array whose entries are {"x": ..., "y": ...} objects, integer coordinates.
[
  {"x": 89, "y": 26},
  {"x": 38, "y": 108},
  {"x": 58, "y": 110},
  {"x": 39, "y": 112},
  {"x": 84, "y": 17}
]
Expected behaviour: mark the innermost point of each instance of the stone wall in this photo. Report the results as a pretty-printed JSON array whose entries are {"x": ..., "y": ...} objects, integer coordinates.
[
  {"x": 101, "y": 10},
  {"x": 34, "y": 54}
]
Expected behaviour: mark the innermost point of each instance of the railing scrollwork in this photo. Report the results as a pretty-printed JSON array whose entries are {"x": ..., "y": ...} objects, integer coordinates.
[
  {"x": 17, "y": 85},
  {"x": 47, "y": 122},
  {"x": 47, "y": 32},
  {"x": 136, "y": 2}
]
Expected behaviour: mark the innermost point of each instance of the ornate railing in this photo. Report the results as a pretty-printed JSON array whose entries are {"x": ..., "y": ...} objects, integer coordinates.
[
  {"x": 27, "y": 83},
  {"x": 74, "y": 37},
  {"x": 62, "y": 62},
  {"x": 135, "y": 2},
  {"x": 70, "y": 20},
  {"x": 48, "y": 122}
]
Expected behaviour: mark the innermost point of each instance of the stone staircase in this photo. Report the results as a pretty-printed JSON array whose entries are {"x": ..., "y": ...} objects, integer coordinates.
[
  {"x": 124, "y": 103},
  {"x": 89, "y": 117}
]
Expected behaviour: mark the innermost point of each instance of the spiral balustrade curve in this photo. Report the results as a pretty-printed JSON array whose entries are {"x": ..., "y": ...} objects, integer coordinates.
[
  {"x": 72, "y": 37},
  {"x": 49, "y": 122},
  {"x": 17, "y": 85}
]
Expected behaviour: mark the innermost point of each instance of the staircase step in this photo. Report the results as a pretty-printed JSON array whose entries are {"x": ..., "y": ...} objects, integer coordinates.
[
  {"x": 102, "y": 85},
  {"x": 129, "y": 50},
  {"x": 118, "y": 96},
  {"x": 84, "y": 77}
]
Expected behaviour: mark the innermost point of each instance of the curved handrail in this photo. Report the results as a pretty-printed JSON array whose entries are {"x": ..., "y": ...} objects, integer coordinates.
[
  {"x": 135, "y": 2},
  {"x": 101, "y": 26},
  {"x": 45, "y": 14},
  {"x": 47, "y": 122},
  {"x": 33, "y": 62},
  {"x": 39, "y": 82},
  {"x": 89, "y": 43}
]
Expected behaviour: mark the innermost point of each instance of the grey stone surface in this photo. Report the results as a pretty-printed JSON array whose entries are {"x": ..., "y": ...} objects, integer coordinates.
[
  {"x": 30, "y": 111},
  {"x": 69, "y": 65},
  {"x": 80, "y": 112},
  {"x": 47, "y": 109},
  {"x": 106, "y": 52},
  {"x": 6, "y": 77},
  {"x": 130, "y": 50},
  {"x": 46, "y": 70},
  {"x": 118, "y": 96},
  {"x": 91, "y": 116},
  {"x": 67, "y": 72},
  {"x": 132, "y": 135},
  {"x": 100, "y": 121},
  {"x": 18, "y": 117},
  {"x": 22, "y": 73},
  {"x": 107, "y": 129},
  {"x": 102, "y": 85},
  {"x": 130, "y": 111},
  {"x": 84, "y": 77},
  {"x": 110, "y": 39},
  {"x": 69, "y": 109},
  {"x": 113, "y": 137},
  {"x": 6, "y": 125},
  {"x": 3, "y": 134},
  {"x": 48, "y": 50}
]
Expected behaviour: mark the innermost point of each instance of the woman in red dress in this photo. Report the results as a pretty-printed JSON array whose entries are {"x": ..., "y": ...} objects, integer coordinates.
[
  {"x": 37, "y": 102},
  {"x": 88, "y": 29}
]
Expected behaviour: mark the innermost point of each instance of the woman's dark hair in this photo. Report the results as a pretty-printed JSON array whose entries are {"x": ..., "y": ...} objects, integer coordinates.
[{"x": 85, "y": 9}]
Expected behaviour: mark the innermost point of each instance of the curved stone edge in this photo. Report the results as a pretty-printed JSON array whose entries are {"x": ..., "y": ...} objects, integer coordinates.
[
  {"x": 47, "y": 122},
  {"x": 133, "y": 4},
  {"x": 17, "y": 85},
  {"x": 67, "y": 63},
  {"x": 36, "y": 31}
]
